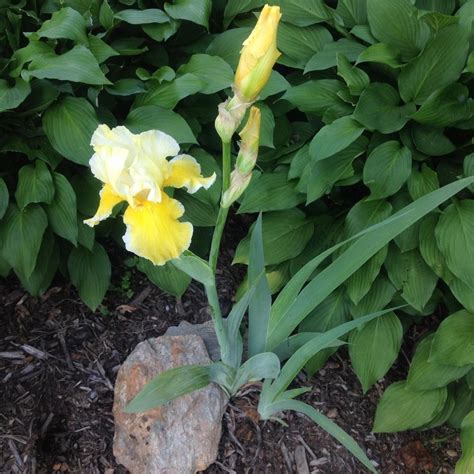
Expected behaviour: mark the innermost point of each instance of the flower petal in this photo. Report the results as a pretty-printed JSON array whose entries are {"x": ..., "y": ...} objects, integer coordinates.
[
  {"x": 186, "y": 172},
  {"x": 154, "y": 231},
  {"x": 157, "y": 144},
  {"x": 108, "y": 199}
]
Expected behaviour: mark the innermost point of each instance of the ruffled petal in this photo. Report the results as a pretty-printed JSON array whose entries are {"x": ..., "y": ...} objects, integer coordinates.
[
  {"x": 108, "y": 200},
  {"x": 156, "y": 144},
  {"x": 186, "y": 172},
  {"x": 154, "y": 231}
]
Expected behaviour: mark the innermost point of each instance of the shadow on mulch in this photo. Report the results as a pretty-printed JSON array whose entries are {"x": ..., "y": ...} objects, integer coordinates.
[{"x": 58, "y": 363}]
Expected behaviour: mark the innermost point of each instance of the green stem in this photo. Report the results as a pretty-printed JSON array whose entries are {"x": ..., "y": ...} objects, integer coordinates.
[
  {"x": 211, "y": 290},
  {"x": 222, "y": 216}
]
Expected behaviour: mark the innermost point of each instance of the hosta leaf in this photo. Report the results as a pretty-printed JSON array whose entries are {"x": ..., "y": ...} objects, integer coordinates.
[
  {"x": 381, "y": 53},
  {"x": 374, "y": 347},
  {"x": 402, "y": 409},
  {"x": 196, "y": 11},
  {"x": 377, "y": 298},
  {"x": 422, "y": 182},
  {"x": 327, "y": 57},
  {"x": 304, "y": 13},
  {"x": 213, "y": 71},
  {"x": 90, "y": 272},
  {"x": 446, "y": 107},
  {"x": 409, "y": 273},
  {"x": 465, "y": 465},
  {"x": 69, "y": 125},
  {"x": 452, "y": 343},
  {"x": 387, "y": 168},
  {"x": 35, "y": 184},
  {"x": 335, "y": 137},
  {"x": 355, "y": 78},
  {"x": 378, "y": 109},
  {"x": 299, "y": 44},
  {"x": 314, "y": 96},
  {"x": 151, "y": 117},
  {"x": 143, "y": 17},
  {"x": 455, "y": 238},
  {"x": 285, "y": 234},
  {"x": 12, "y": 97},
  {"x": 62, "y": 210},
  {"x": 65, "y": 23},
  {"x": 270, "y": 192},
  {"x": 4, "y": 198},
  {"x": 77, "y": 65},
  {"x": 21, "y": 234},
  {"x": 440, "y": 64},
  {"x": 427, "y": 374},
  {"x": 395, "y": 23}
]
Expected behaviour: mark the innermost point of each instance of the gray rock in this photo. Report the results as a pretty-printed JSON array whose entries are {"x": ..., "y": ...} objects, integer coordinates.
[
  {"x": 205, "y": 330},
  {"x": 178, "y": 438}
]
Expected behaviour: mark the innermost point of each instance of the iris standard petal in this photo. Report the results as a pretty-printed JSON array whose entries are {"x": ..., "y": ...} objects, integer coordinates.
[
  {"x": 157, "y": 144},
  {"x": 108, "y": 199},
  {"x": 154, "y": 231},
  {"x": 186, "y": 172}
]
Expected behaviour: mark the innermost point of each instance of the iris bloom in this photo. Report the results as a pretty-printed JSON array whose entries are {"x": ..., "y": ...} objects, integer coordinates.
[
  {"x": 135, "y": 169},
  {"x": 258, "y": 55}
]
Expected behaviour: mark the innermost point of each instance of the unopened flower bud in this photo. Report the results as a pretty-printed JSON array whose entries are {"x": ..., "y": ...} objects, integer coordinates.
[
  {"x": 238, "y": 184},
  {"x": 258, "y": 55},
  {"x": 250, "y": 135},
  {"x": 231, "y": 113}
]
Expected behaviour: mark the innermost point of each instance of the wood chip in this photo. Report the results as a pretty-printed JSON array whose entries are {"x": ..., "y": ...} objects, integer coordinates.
[{"x": 300, "y": 459}]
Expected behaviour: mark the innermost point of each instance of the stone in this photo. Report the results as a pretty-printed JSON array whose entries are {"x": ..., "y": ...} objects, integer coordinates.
[
  {"x": 204, "y": 330},
  {"x": 180, "y": 437}
]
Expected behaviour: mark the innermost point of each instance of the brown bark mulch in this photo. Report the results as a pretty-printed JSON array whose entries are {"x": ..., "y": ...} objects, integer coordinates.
[{"x": 58, "y": 363}]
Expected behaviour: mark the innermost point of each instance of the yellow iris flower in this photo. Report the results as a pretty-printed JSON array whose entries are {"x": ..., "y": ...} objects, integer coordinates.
[
  {"x": 134, "y": 168},
  {"x": 258, "y": 55}
]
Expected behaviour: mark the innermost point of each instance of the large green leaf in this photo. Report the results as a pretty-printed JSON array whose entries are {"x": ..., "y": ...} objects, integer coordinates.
[
  {"x": 440, "y": 64},
  {"x": 4, "y": 198},
  {"x": 167, "y": 277},
  {"x": 69, "y": 125},
  {"x": 21, "y": 234},
  {"x": 314, "y": 96},
  {"x": 227, "y": 44},
  {"x": 378, "y": 297},
  {"x": 35, "y": 184},
  {"x": 422, "y": 182},
  {"x": 299, "y": 44},
  {"x": 197, "y": 11},
  {"x": 355, "y": 78},
  {"x": 446, "y": 107},
  {"x": 65, "y": 23},
  {"x": 378, "y": 109},
  {"x": 409, "y": 273},
  {"x": 465, "y": 465},
  {"x": 12, "y": 97},
  {"x": 374, "y": 347},
  {"x": 213, "y": 71},
  {"x": 143, "y": 17},
  {"x": 304, "y": 13},
  {"x": 395, "y": 23},
  {"x": 62, "y": 214},
  {"x": 427, "y": 374},
  {"x": 335, "y": 137},
  {"x": 327, "y": 57},
  {"x": 90, "y": 272},
  {"x": 77, "y": 65},
  {"x": 151, "y": 117},
  {"x": 452, "y": 344},
  {"x": 455, "y": 238},
  {"x": 285, "y": 234},
  {"x": 387, "y": 168},
  {"x": 270, "y": 192},
  {"x": 401, "y": 408},
  {"x": 46, "y": 265}
]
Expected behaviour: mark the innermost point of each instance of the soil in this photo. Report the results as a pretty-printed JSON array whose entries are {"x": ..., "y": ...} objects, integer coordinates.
[{"x": 58, "y": 362}]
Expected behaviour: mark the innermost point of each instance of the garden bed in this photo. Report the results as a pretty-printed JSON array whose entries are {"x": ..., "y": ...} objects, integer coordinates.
[{"x": 58, "y": 366}]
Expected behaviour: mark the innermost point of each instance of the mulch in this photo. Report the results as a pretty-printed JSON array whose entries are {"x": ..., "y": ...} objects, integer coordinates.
[{"x": 59, "y": 360}]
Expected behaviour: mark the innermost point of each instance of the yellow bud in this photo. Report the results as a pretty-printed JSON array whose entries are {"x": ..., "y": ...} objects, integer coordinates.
[
  {"x": 258, "y": 55},
  {"x": 238, "y": 184},
  {"x": 250, "y": 135}
]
